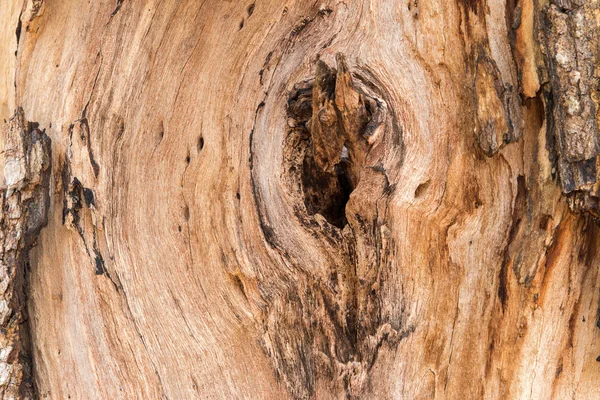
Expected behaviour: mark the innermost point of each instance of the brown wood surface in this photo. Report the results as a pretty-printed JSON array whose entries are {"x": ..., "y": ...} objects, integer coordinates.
[{"x": 304, "y": 199}]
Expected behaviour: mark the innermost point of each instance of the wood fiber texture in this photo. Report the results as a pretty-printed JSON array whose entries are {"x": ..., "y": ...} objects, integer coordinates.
[
  {"x": 307, "y": 199},
  {"x": 25, "y": 202}
]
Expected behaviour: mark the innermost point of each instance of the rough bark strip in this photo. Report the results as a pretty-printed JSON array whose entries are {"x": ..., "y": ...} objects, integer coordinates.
[
  {"x": 25, "y": 202},
  {"x": 497, "y": 109},
  {"x": 570, "y": 41}
]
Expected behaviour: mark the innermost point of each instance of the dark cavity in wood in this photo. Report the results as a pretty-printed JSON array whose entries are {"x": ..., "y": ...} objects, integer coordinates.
[{"x": 334, "y": 120}]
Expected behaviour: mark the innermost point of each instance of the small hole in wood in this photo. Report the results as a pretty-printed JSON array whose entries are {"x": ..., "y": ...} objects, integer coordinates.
[
  {"x": 160, "y": 134},
  {"x": 544, "y": 221},
  {"x": 421, "y": 189},
  {"x": 239, "y": 284},
  {"x": 200, "y": 143}
]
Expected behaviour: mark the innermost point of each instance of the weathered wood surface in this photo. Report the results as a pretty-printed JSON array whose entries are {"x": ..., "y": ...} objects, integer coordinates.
[
  {"x": 270, "y": 199},
  {"x": 25, "y": 202}
]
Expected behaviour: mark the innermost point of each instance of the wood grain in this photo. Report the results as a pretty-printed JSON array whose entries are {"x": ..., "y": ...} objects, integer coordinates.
[{"x": 311, "y": 199}]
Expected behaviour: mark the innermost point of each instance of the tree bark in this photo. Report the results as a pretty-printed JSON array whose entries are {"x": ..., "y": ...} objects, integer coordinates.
[{"x": 302, "y": 199}]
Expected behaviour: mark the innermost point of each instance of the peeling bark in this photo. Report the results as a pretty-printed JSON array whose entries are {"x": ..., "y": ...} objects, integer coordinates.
[
  {"x": 25, "y": 203},
  {"x": 571, "y": 44}
]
